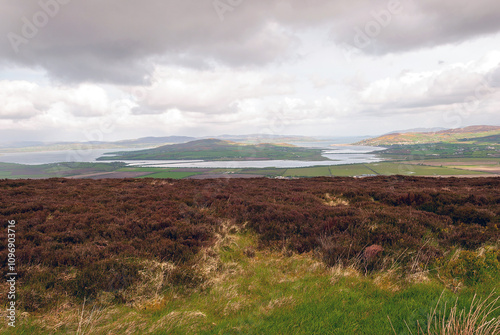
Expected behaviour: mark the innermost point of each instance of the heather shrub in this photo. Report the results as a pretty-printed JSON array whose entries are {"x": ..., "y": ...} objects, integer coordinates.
[
  {"x": 90, "y": 225},
  {"x": 110, "y": 275},
  {"x": 472, "y": 267}
]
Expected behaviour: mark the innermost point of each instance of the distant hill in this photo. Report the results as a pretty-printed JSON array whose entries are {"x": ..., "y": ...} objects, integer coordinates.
[
  {"x": 492, "y": 139},
  {"x": 418, "y": 130},
  {"x": 144, "y": 142},
  {"x": 220, "y": 150},
  {"x": 155, "y": 140},
  {"x": 266, "y": 138},
  {"x": 447, "y": 135}
]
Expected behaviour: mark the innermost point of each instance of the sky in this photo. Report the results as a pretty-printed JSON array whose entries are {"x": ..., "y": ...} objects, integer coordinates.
[{"x": 94, "y": 70}]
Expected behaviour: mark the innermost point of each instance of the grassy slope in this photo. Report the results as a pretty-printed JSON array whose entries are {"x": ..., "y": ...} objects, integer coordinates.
[
  {"x": 19, "y": 171},
  {"x": 481, "y": 133},
  {"x": 469, "y": 142},
  {"x": 441, "y": 150},
  {"x": 217, "y": 150},
  {"x": 417, "y": 170},
  {"x": 319, "y": 171},
  {"x": 268, "y": 293},
  {"x": 171, "y": 174}
]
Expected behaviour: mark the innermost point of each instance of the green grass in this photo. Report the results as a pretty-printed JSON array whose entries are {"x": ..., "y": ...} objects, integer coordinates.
[
  {"x": 317, "y": 171},
  {"x": 171, "y": 175},
  {"x": 270, "y": 292},
  {"x": 218, "y": 150},
  {"x": 19, "y": 171},
  {"x": 218, "y": 171},
  {"x": 9, "y": 171},
  {"x": 417, "y": 170},
  {"x": 349, "y": 170},
  {"x": 143, "y": 169},
  {"x": 441, "y": 150},
  {"x": 265, "y": 171},
  {"x": 478, "y": 136},
  {"x": 464, "y": 160}
]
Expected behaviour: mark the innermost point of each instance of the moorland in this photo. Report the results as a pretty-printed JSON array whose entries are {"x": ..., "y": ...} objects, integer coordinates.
[{"x": 376, "y": 255}]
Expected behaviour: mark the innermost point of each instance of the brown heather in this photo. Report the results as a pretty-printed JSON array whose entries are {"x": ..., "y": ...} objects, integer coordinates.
[{"x": 83, "y": 238}]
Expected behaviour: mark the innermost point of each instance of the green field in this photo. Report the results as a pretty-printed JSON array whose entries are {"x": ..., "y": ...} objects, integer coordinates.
[
  {"x": 142, "y": 169},
  {"x": 318, "y": 171},
  {"x": 440, "y": 150},
  {"x": 465, "y": 161},
  {"x": 20, "y": 171},
  {"x": 417, "y": 170},
  {"x": 264, "y": 171},
  {"x": 171, "y": 175},
  {"x": 434, "y": 167},
  {"x": 350, "y": 170}
]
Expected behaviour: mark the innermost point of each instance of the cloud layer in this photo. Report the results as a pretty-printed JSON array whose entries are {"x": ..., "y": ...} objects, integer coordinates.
[
  {"x": 320, "y": 67},
  {"x": 119, "y": 41}
]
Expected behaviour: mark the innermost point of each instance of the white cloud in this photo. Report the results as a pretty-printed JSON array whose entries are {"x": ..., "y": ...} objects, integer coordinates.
[
  {"x": 25, "y": 100},
  {"x": 421, "y": 91},
  {"x": 207, "y": 91}
]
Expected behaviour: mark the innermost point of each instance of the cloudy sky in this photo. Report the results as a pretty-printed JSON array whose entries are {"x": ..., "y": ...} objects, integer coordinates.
[{"x": 114, "y": 69}]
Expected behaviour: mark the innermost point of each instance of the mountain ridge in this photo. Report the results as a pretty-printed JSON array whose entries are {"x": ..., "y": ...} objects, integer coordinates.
[{"x": 448, "y": 135}]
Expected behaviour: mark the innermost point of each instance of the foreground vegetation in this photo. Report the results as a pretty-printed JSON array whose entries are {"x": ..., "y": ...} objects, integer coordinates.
[{"x": 249, "y": 256}]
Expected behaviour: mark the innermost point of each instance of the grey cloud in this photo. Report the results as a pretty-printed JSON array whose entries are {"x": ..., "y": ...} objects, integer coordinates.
[
  {"x": 112, "y": 41},
  {"x": 451, "y": 89},
  {"x": 494, "y": 77},
  {"x": 117, "y": 40},
  {"x": 418, "y": 24}
]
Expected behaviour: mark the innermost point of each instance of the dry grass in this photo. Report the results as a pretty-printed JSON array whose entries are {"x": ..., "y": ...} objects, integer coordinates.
[
  {"x": 478, "y": 319},
  {"x": 333, "y": 201},
  {"x": 190, "y": 319},
  {"x": 339, "y": 271},
  {"x": 154, "y": 277},
  {"x": 389, "y": 280},
  {"x": 88, "y": 319}
]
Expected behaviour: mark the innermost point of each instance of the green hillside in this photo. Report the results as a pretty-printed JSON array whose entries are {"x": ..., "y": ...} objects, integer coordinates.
[
  {"x": 483, "y": 134},
  {"x": 219, "y": 150}
]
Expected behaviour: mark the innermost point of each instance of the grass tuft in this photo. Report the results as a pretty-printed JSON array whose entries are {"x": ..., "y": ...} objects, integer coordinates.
[{"x": 478, "y": 319}]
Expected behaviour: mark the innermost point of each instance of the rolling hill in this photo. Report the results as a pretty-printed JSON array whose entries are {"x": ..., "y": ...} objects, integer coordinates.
[
  {"x": 219, "y": 150},
  {"x": 472, "y": 133}
]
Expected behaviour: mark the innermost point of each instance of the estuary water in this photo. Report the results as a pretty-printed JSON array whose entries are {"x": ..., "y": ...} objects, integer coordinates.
[{"x": 337, "y": 155}]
